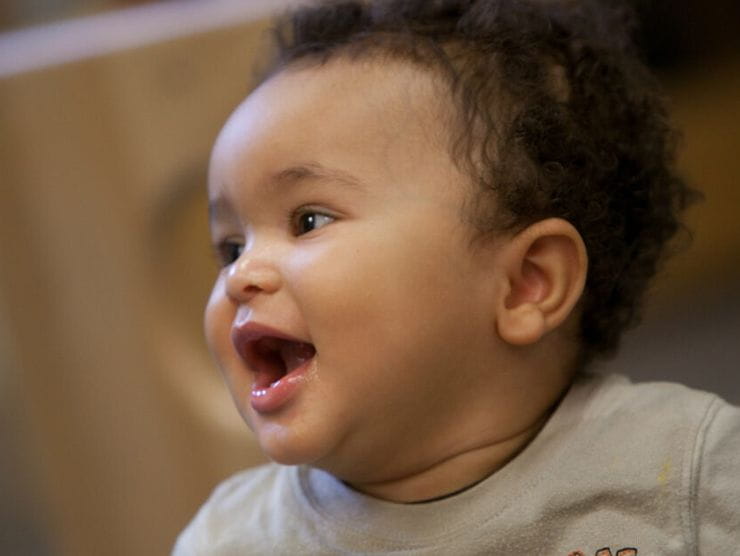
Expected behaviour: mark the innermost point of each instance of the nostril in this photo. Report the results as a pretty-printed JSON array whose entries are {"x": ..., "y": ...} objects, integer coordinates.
[{"x": 251, "y": 290}]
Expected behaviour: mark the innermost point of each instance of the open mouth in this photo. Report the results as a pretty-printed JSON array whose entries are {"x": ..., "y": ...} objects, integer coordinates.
[{"x": 272, "y": 359}]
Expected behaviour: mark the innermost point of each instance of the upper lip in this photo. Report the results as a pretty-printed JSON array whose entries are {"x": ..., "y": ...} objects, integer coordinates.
[{"x": 245, "y": 335}]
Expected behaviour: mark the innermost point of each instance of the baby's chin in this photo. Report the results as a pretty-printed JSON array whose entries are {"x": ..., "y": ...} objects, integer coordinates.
[
  {"x": 287, "y": 448},
  {"x": 281, "y": 444}
]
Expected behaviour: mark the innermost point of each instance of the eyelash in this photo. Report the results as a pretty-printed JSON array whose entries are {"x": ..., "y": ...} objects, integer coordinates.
[
  {"x": 230, "y": 249},
  {"x": 296, "y": 216}
]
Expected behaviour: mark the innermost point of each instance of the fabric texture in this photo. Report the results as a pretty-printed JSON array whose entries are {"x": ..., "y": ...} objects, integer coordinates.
[{"x": 619, "y": 470}]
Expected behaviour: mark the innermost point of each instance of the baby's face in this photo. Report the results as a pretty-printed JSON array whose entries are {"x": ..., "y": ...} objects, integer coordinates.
[{"x": 350, "y": 317}]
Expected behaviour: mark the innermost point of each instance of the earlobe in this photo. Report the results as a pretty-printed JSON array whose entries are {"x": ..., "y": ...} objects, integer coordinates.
[
  {"x": 545, "y": 274},
  {"x": 522, "y": 326}
]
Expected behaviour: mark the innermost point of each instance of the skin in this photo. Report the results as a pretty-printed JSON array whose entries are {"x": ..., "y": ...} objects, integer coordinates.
[{"x": 437, "y": 358}]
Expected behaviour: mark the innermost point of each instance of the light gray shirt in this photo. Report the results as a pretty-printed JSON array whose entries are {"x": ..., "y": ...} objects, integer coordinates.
[{"x": 619, "y": 470}]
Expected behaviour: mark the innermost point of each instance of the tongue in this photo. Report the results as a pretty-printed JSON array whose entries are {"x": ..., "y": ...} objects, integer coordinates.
[{"x": 295, "y": 354}]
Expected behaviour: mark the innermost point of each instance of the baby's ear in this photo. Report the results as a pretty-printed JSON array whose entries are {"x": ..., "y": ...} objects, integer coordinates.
[{"x": 544, "y": 270}]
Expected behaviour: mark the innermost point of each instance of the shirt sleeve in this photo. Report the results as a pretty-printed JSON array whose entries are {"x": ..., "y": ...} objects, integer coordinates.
[{"x": 718, "y": 484}]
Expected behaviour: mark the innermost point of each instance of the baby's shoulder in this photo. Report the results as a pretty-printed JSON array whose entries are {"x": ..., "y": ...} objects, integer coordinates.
[
  {"x": 615, "y": 397},
  {"x": 646, "y": 426},
  {"x": 636, "y": 454}
]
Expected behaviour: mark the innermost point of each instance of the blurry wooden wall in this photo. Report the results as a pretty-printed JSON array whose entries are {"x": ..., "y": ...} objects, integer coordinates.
[
  {"x": 115, "y": 422},
  {"x": 115, "y": 414}
]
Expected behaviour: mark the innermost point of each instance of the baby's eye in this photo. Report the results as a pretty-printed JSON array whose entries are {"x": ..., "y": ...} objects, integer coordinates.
[
  {"x": 307, "y": 221},
  {"x": 228, "y": 251}
]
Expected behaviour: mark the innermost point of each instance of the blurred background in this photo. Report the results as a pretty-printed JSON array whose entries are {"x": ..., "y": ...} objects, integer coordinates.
[{"x": 114, "y": 424}]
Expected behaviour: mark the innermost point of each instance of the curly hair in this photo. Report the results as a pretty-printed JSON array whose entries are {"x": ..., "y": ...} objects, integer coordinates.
[{"x": 555, "y": 116}]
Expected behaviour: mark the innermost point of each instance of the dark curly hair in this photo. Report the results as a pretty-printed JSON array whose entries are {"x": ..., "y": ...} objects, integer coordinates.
[{"x": 555, "y": 117}]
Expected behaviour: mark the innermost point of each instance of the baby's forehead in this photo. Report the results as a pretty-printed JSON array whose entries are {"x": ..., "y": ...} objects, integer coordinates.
[
  {"x": 406, "y": 96},
  {"x": 389, "y": 108}
]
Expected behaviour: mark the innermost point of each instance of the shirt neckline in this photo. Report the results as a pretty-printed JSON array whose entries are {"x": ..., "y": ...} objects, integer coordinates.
[{"x": 329, "y": 500}]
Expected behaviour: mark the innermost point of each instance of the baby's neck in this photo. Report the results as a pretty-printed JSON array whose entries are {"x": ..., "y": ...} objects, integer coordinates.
[{"x": 452, "y": 474}]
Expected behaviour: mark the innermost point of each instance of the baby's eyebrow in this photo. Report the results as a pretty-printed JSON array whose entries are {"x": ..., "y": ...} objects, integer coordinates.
[{"x": 315, "y": 171}]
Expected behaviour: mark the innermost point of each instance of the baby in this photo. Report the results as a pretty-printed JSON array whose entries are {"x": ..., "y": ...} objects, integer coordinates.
[{"x": 431, "y": 216}]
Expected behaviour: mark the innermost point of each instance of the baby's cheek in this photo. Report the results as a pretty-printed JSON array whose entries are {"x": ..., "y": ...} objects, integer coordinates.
[
  {"x": 217, "y": 319},
  {"x": 332, "y": 277}
]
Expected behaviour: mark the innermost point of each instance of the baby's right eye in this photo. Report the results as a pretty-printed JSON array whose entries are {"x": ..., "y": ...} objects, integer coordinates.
[{"x": 228, "y": 251}]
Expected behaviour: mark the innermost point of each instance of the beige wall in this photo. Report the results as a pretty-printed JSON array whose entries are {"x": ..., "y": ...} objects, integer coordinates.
[
  {"x": 121, "y": 424},
  {"x": 105, "y": 267}
]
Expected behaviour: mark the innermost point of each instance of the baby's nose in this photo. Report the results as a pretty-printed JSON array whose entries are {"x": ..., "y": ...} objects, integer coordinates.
[{"x": 249, "y": 276}]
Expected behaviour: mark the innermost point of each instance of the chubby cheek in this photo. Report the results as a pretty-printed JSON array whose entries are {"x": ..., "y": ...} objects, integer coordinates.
[
  {"x": 358, "y": 305},
  {"x": 217, "y": 320},
  {"x": 334, "y": 285}
]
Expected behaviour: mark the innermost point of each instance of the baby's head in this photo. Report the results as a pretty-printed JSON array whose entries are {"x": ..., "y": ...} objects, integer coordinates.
[{"x": 430, "y": 214}]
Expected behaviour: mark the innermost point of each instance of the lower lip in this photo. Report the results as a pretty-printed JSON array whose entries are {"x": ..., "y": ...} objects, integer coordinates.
[{"x": 276, "y": 396}]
